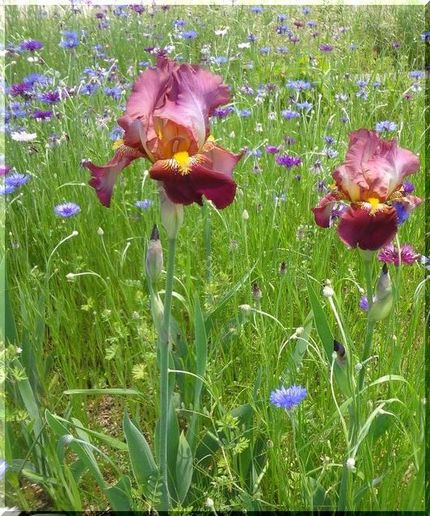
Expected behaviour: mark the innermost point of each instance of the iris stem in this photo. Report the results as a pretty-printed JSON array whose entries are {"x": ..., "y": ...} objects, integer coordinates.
[{"x": 164, "y": 376}]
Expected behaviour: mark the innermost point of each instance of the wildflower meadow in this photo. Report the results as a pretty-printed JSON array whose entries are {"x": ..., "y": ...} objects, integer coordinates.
[{"x": 214, "y": 266}]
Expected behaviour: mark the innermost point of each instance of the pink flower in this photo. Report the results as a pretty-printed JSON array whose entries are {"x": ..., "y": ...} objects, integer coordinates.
[
  {"x": 391, "y": 254},
  {"x": 370, "y": 182},
  {"x": 167, "y": 122}
]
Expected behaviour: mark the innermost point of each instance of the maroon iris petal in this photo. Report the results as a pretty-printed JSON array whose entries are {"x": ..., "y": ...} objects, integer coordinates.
[
  {"x": 185, "y": 189},
  {"x": 359, "y": 228}
]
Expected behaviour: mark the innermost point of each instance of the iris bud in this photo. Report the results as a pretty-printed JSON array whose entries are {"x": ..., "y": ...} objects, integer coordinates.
[
  {"x": 383, "y": 302},
  {"x": 154, "y": 256}
]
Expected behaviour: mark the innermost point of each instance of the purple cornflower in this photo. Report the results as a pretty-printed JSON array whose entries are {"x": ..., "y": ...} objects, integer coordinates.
[
  {"x": 31, "y": 45},
  {"x": 325, "y": 47},
  {"x": 223, "y": 112},
  {"x": 19, "y": 89},
  {"x": 67, "y": 209},
  {"x": 50, "y": 97},
  {"x": 288, "y": 398},
  {"x": 42, "y": 115},
  {"x": 272, "y": 149},
  {"x": 16, "y": 180},
  {"x": 364, "y": 304},
  {"x": 391, "y": 254},
  {"x": 288, "y": 161},
  {"x": 408, "y": 187},
  {"x": 144, "y": 205},
  {"x": 288, "y": 114},
  {"x": 385, "y": 126},
  {"x": 189, "y": 34}
]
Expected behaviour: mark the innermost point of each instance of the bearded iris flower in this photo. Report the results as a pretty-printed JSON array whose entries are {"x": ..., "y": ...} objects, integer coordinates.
[
  {"x": 370, "y": 184},
  {"x": 167, "y": 122}
]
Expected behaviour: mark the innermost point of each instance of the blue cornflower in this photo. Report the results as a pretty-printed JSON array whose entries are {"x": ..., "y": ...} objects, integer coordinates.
[
  {"x": 282, "y": 50},
  {"x": 288, "y": 398},
  {"x": 416, "y": 74},
  {"x": 254, "y": 152},
  {"x": 329, "y": 140},
  {"x": 362, "y": 94},
  {"x": 264, "y": 50},
  {"x": 67, "y": 209},
  {"x": 17, "y": 109},
  {"x": 3, "y": 468},
  {"x": 16, "y": 180},
  {"x": 252, "y": 38},
  {"x": 144, "y": 205},
  {"x": 425, "y": 36},
  {"x": 35, "y": 78},
  {"x": 116, "y": 133},
  {"x": 220, "y": 59},
  {"x": 90, "y": 88},
  {"x": 376, "y": 84},
  {"x": 282, "y": 17},
  {"x": 330, "y": 152},
  {"x": 288, "y": 114},
  {"x": 401, "y": 212},
  {"x": 385, "y": 126},
  {"x": 256, "y": 9},
  {"x": 282, "y": 29},
  {"x": 362, "y": 83},
  {"x": 244, "y": 112},
  {"x": 299, "y": 85},
  {"x": 179, "y": 23},
  {"x": 306, "y": 10},
  {"x": 189, "y": 34},
  {"x": 305, "y": 106},
  {"x": 7, "y": 189},
  {"x": 120, "y": 11},
  {"x": 70, "y": 39},
  {"x": 114, "y": 92}
]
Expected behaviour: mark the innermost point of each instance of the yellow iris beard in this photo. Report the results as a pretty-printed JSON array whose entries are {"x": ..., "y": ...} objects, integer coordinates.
[
  {"x": 117, "y": 144},
  {"x": 374, "y": 204},
  {"x": 184, "y": 161}
]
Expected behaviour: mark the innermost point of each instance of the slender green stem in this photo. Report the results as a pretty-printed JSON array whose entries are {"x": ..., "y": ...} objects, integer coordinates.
[
  {"x": 207, "y": 239},
  {"x": 164, "y": 376},
  {"x": 370, "y": 324}
]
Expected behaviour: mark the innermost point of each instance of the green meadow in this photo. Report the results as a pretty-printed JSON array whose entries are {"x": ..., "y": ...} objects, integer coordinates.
[{"x": 248, "y": 310}]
